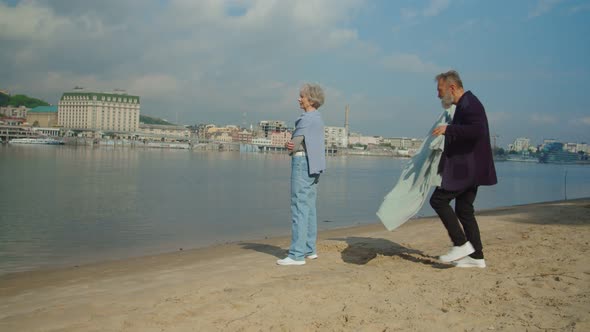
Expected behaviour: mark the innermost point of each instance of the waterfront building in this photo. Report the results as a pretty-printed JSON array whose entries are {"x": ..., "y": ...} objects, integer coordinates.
[
  {"x": 13, "y": 121},
  {"x": 266, "y": 127},
  {"x": 554, "y": 152},
  {"x": 403, "y": 143},
  {"x": 571, "y": 147},
  {"x": 42, "y": 116},
  {"x": 243, "y": 136},
  {"x": 279, "y": 138},
  {"x": 212, "y": 131},
  {"x": 47, "y": 131},
  {"x": 520, "y": 144},
  {"x": 546, "y": 142},
  {"x": 168, "y": 133},
  {"x": 96, "y": 111},
  {"x": 14, "y": 111},
  {"x": 222, "y": 137},
  {"x": 358, "y": 139},
  {"x": 262, "y": 141},
  {"x": 335, "y": 137}
]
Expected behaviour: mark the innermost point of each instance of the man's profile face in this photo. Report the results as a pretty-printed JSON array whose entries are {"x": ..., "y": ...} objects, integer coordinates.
[{"x": 444, "y": 94}]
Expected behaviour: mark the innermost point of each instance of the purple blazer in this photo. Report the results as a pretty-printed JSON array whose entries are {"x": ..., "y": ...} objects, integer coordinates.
[{"x": 467, "y": 158}]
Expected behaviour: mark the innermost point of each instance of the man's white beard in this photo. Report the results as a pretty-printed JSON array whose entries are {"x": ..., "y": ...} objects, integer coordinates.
[{"x": 447, "y": 100}]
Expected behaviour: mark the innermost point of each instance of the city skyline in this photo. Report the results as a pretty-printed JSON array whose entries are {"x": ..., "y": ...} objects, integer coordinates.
[
  {"x": 284, "y": 123},
  {"x": 219, "y": 60}
]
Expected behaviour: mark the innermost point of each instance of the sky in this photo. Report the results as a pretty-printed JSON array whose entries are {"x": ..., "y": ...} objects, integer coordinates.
[{"x": 243, "y": 61}]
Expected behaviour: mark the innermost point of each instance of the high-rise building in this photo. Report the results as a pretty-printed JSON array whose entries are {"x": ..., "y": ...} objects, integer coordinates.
[{"x": 99, "y": 111}]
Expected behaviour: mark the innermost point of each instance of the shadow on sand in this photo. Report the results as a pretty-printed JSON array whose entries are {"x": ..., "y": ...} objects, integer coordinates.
[
  {"x": 278, "y": 252},
  {"x": 361, "y": 250}
]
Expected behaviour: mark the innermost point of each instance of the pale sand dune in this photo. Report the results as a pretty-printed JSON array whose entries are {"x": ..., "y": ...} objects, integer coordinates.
[{"x": 366, "y": 279}]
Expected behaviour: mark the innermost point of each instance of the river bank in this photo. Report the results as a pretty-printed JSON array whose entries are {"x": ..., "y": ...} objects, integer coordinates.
[{"x": 365, "y": 279}]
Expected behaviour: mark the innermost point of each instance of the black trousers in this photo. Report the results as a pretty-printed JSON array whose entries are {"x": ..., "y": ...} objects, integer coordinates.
[{"x": 464, "y": 214}]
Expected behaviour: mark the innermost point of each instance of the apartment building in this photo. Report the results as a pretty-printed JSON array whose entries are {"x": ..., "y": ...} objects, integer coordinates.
[
  {"x": 335, "y": 137},
  {"x": 14, "y": 111},
  {"x": 279, "y": 138},
  {"x": 520, "y": 144},
  {"x": 267, "y": 127}
]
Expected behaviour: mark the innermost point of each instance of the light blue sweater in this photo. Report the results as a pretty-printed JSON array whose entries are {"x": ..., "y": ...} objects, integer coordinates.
[
  {"x": 311, "y": 126},
  {"x": 419, "y": 174}
]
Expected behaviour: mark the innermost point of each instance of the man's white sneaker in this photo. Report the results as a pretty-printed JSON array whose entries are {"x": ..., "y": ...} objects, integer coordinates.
[
  {"x": 289, "y": 261},
  {"x": 457, "y": 252},
  {"x": 470, "y": 262},
  {"x": 312, "y": 256}
]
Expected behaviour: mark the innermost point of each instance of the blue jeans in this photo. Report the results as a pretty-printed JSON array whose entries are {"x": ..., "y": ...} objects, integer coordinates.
[{"x": 304, "y": 227}]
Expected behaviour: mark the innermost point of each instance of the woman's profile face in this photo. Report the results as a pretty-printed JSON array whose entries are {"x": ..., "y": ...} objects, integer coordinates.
[{"x": 304, "y": 103}]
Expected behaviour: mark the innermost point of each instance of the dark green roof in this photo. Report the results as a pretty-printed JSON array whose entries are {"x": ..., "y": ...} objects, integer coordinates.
[
  {"x": 44, "y": 109},
  {"x": 98, "y": 95}
]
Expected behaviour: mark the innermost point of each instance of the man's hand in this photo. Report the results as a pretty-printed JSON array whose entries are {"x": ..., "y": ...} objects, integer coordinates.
[
  {"x": 290, "y": 145},
  {"x": 440, "y": 130}
]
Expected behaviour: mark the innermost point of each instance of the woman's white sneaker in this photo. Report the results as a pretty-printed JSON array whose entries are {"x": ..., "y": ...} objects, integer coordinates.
[
  {"x": 312, "y": 256},
  {"x": 289, "y": 261},
  {"x": 470, "y": 262}
]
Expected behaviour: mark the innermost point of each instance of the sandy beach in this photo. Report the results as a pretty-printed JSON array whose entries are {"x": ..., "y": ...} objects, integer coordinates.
[{"x": 365, "y": 279}]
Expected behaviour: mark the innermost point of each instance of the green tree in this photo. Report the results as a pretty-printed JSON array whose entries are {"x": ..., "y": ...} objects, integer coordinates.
[
  {"x": 152, "y": 120},
  {"x": 24, "y": 100},
  {"x": 499, "y": 151},
  {"x": 4, "y": 99}
]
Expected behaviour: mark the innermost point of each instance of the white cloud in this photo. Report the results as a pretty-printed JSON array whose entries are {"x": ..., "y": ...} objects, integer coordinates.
[
  {"x": 154, "y": 85},
  {"x": 434, "y": 8},
  {"x": 28, "y": 22},
  {"x": 543, "y": 7},
  {"x": 579, "y": 8},
  {"x": 339, "y": 37},
  {"x": 402, "y": 62},
  {"x": 542, "y": 119},
  {"x": 585, "y": 121},
  {"x": 498, "y": 117}
]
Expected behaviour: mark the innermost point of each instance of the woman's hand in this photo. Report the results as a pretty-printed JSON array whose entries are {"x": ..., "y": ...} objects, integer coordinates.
[{"x": 290, "y": 145}]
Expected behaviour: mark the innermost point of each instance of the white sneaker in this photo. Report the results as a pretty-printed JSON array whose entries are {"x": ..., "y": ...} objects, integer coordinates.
[
  {"x": 289, "y": 261},
  {"x": 312, "y": 256},
  {"x": 470, "y": 262},
  {"x": 457, "y": 252}
]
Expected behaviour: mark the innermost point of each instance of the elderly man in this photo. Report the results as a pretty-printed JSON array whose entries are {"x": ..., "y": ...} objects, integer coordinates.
[{"x": 466, "y": 164}]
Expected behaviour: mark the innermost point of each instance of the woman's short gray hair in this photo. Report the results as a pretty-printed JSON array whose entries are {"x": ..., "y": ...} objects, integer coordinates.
[
  {"x": 314, "y": 93},
  {"x": 451, "y": 76}
]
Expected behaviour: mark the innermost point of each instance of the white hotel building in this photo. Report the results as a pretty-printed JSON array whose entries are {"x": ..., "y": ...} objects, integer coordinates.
[{"x": 98, "y": 111}]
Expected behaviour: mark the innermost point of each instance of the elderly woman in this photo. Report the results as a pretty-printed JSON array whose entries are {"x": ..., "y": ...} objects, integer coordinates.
[{"x": 307, "y": 149}]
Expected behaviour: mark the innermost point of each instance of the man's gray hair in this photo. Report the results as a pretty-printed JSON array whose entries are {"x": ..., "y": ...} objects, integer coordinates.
[
  {"x": 314, "y": 93},
  {"x": 451, "y": 76}
]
